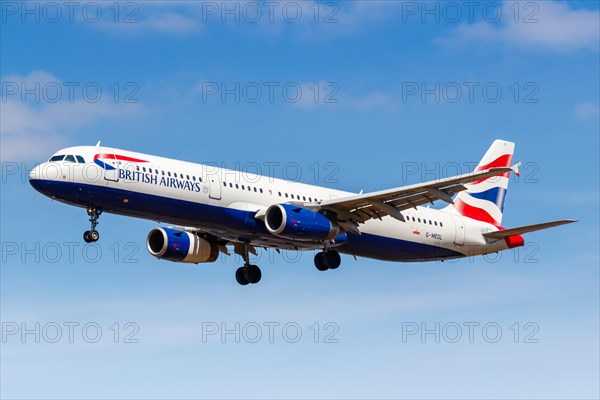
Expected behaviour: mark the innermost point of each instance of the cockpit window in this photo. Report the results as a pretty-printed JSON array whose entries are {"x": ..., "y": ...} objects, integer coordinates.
[
  {"x": 80, "y": 159},
  {"x": 70, "y": 158},
  {"x": 57, "y": 158}
]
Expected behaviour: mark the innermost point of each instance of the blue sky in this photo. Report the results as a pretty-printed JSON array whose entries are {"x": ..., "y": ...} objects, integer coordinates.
[{"x": 375, "y": 90}]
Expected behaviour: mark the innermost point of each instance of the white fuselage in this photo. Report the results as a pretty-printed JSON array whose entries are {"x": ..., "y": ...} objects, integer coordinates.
[{"x": 224, "y": 202}]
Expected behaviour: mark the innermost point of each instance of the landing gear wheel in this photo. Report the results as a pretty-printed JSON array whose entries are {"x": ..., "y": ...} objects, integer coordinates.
[
  {"x": 320, "y": 261},
  {"x": 240, "y": 276},
  {"x": 247, "y": 273},
  {"x": 86, "y": 237},
  {"x": 332, "y": 259},
  {"x": 253, "y": 274},
  {"x": 94, "y": 235}
]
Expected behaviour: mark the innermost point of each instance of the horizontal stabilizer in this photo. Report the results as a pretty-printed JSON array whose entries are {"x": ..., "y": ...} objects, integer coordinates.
[{"x": 524, "y": 229}]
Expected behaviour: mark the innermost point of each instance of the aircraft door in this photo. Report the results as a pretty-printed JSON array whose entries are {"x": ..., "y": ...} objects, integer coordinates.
[
  {"x": 111, "y": 167},
  {"x": 459, "y": 227},
  {"x": 214, "y": 186}
]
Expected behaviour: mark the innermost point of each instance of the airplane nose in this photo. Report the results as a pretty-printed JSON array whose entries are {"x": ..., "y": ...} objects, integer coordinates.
[
  {"x": 35, "y": 173},
  {"x": 35, "y": 178}
]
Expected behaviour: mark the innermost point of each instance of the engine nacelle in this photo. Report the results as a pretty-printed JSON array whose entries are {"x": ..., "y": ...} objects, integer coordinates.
[
  {"x": 173, "y": 245},
  {"x": 293, "y": 222}
]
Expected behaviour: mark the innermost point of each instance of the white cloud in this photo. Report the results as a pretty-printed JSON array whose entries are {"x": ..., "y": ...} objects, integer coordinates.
[
  {"x": 30, "y": 127},
  {"x": 586, "y": 110},
  {"x": 328, "y": 94},
  {"x": 176, "y": 23},
  {"x": 309, "y": 19},
  {"x": 376, "y": 100},
  {"x": 554, "y": 26}
]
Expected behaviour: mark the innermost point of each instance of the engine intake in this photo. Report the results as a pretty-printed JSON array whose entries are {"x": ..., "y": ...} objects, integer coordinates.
[
  {"x": 293, "y": 222},
  {"x": 180, "y": 246}
]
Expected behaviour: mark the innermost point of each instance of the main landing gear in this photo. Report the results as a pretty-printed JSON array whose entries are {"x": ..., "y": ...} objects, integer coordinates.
[
  {"x": 92, "y": 235},
  {"x": 328, "y": 259},
  {"x": 247, "y": 273}
]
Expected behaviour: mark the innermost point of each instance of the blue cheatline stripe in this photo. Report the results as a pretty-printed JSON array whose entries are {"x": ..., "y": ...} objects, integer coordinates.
[
  {"x": 237, "y": 223},
  {"x": 495, "y": 195}
]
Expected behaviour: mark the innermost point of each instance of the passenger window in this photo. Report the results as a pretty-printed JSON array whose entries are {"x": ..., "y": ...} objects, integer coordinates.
[
  {"x": 57, "y": 158},
  {"x": 70, "y": 158},
  {"x": 286, "y": 195},
  {"x": 292, "y": 196},
  {"x": 441, "y": 224},
  {"x": 255, "y": 189},
  {"x": 225, "y": 184},
  {"x": 279, "y": 194},
  {"x": 144, "y": 169},
  {"x": 261, "y": 190},
  {"x": 230, "y": 184},
  {"x": 435, "y": 223},
  {"x": 237, "y": 186},
  {"x": 137, "y": 168},
  {"x": 243, "y": 187},
  {"x": 163, "y": 172},
  {"x": 169, "y": 173},
  {"x": 80, "y": 159},
  {"x": 419, "y": 219}
]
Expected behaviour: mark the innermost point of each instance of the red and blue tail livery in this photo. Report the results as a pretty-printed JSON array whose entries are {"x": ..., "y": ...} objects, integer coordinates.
[
  {"x": 484, "y": 198},
  {"x": 211, "y": 211}
]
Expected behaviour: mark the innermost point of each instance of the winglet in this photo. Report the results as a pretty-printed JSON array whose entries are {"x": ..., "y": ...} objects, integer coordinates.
[{"x": 515, "y": 168}]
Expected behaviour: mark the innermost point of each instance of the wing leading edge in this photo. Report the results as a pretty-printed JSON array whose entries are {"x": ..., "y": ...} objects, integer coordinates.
[{"x": 359, "y": 208}]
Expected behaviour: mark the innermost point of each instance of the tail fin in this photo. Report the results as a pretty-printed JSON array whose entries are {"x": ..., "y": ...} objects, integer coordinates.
[{"x": 484, "y": 200}]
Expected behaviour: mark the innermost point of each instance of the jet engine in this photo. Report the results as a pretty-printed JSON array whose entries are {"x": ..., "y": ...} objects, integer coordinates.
[
  {"x": 180, "y": 246},
  {"x": 293, "y": 222}
]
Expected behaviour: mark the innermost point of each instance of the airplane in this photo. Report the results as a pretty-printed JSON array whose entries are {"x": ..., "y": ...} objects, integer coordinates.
[{"x": 210, "y": 210}]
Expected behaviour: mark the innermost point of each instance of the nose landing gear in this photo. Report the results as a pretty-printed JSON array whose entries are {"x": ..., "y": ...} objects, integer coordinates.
[{"x": 92, "y": 235}]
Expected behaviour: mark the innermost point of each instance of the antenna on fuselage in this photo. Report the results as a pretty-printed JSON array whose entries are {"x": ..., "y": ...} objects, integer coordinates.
[{"x": 98, "y": 144}]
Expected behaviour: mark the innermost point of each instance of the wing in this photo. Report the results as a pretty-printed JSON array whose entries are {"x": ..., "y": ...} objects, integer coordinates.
[
  {"x": 353, "y": 210},
  {"x": 525, "y": 229}
]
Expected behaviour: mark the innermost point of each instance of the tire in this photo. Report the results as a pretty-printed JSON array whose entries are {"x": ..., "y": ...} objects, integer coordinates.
[
  {"x": 240, "y": 276},
  {"x": 320, "y": 261},
  {"x": 253, "y": 274},
  {"x": 332, "y": 259},
  {"x": 94, "y": 235},
  {"x": 86, "y": 237}
]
